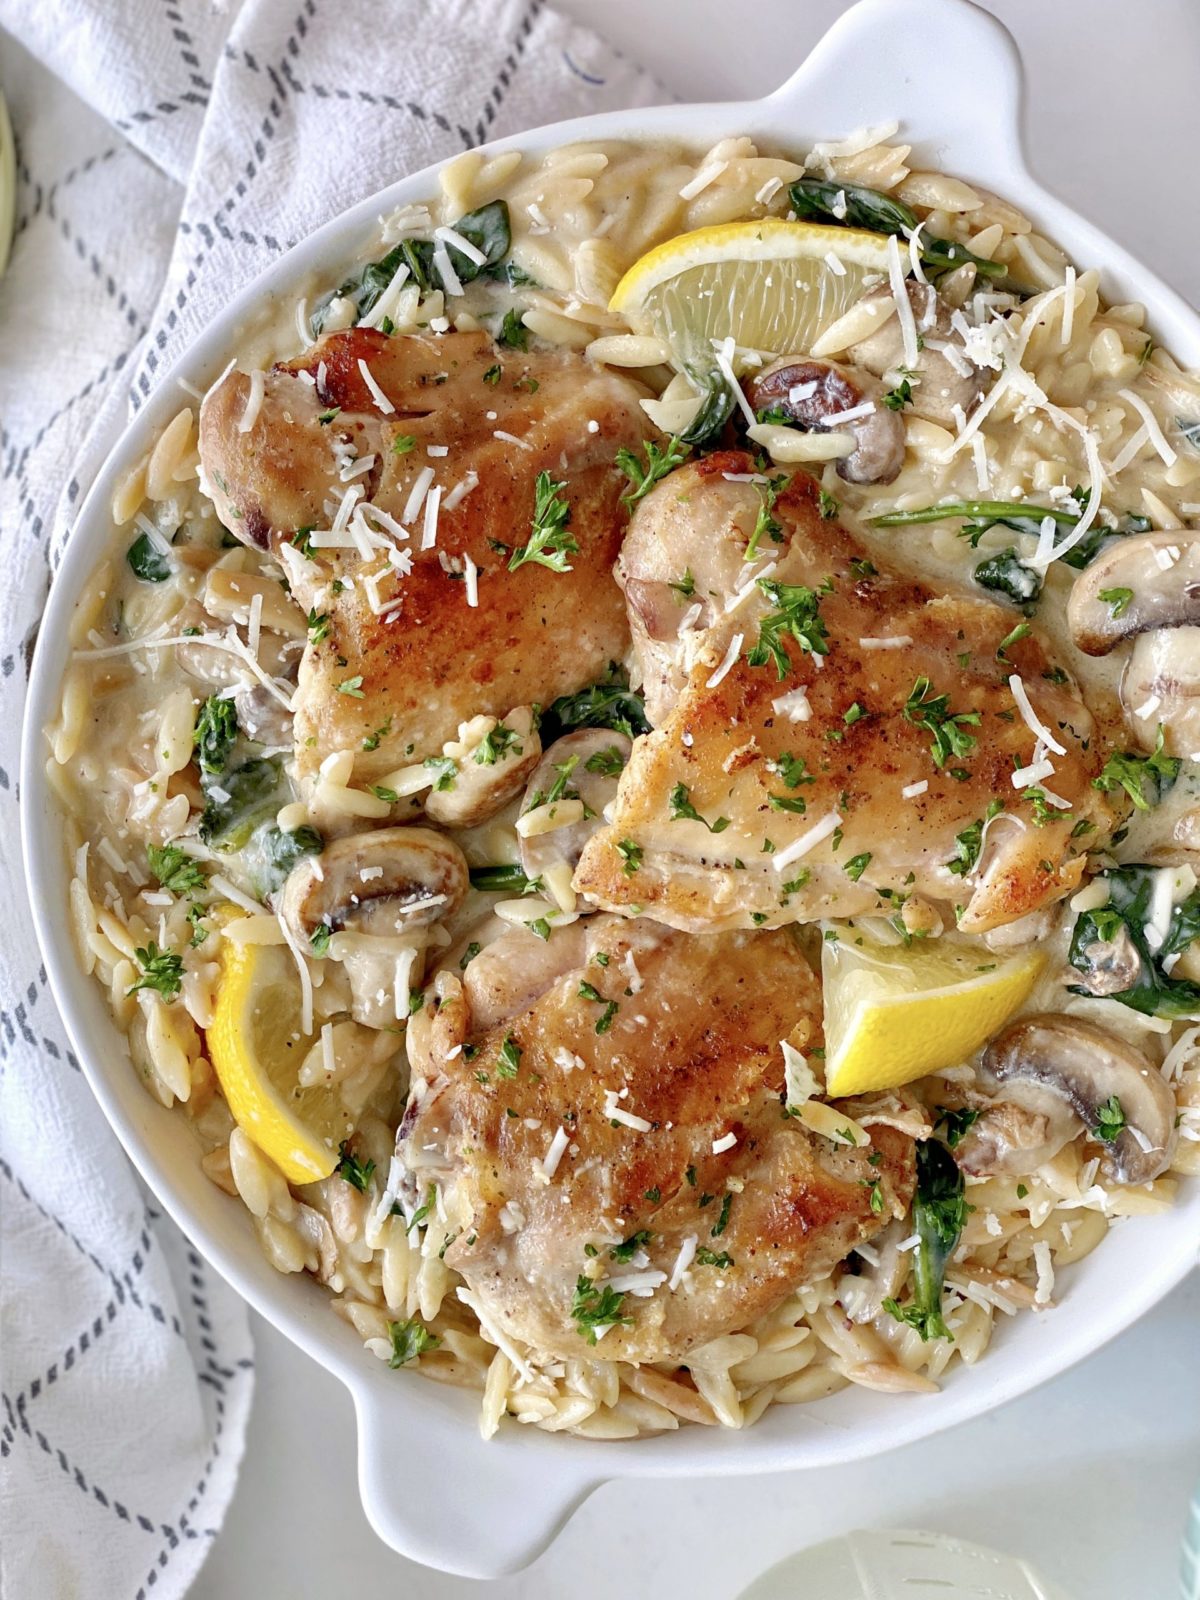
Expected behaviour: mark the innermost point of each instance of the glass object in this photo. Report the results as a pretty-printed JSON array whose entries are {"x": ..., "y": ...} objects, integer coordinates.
[{"x": 894, "y": 1564}]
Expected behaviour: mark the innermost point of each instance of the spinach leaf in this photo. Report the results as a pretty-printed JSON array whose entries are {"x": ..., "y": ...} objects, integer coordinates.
[
  {"x": 506, "y": 879},
  {"x": 215, "y": 735},
  {"x": 238, "y": 802},
  {"x": 1098, "y": 937},
  {"x": 610, "y": 703},
  {"x": 853, "y": 206},
  {"x": 939, "y": 1212},
  {"x": 716, "y": 408},
  {"x": 1004, "y": 574},
  {"x": 980, "y": 515},
  {"x": 271, "y": 854},
  {"x": 147, "y": 560},
  {"x": 487, "y": 228}
]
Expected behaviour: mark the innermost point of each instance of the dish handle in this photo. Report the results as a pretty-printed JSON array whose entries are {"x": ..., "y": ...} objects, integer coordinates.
[
  {"x": 437, "y": 1493},
  {"x": 947, "y": 70}
]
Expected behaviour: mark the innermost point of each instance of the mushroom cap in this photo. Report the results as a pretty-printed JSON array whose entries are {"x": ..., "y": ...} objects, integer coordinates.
[
  {"x": 564, "y": 845},
  {"x": 1160, "y": 571},
  {"x": 483, "y": 786},
  {"x": 1161, "y": 688},
  {"x": 1088, "y": 1068},
  {"x": 939, "y": 385},
  {"x": 387, "y": 881},
  {"x": 878, "y": 453}
]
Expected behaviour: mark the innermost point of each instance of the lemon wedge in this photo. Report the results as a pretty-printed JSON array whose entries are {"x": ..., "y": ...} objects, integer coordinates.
[
  {"x": 256, "y": 1048},
  {"x": 772, "y": 285},
  {"x": 895, "y": 1014}
]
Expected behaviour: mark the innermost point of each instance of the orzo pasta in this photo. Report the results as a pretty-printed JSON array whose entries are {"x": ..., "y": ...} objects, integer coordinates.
[{"x": 632, "y": 770}]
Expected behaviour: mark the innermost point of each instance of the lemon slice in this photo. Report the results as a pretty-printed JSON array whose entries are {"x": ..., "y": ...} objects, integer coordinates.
[
  {"x": 894, "y": 1014},
  {"x": 771, "y": 285},
  {"x": 256, "y": 1048}
]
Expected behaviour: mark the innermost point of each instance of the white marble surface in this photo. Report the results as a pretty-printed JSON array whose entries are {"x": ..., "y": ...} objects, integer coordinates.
[{"x": 1089, "y": 1477}]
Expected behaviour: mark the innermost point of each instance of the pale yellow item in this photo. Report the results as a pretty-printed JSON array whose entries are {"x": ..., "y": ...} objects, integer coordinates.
[
  {"x": 772, "y": 285},
  {"x": 257, "y": 1048},
  {"x": 893, "y": 1014}
]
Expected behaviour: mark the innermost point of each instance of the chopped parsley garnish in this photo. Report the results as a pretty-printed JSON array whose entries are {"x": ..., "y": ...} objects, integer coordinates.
[
  {"x": 605, "y": 1020},
  {"x": 628, "y": 1248},
  {"x": 1145, "y": 779},
  {"x": 423, "y": 1210},
  {"x": 659, "y": 462},
  {"x": 1117, "y": 600},
  {"x": 857, "y": 865},
  {"x": 788, "y": 802},
  {"x": 705, "y": 1257},
  {"x": 1110, "y": 1120},
  {"x": 318, "y": 625},
  {"x": 199, "y": 931},
  {"x": 540, "y": 929},
  {"x": 352, "y": 686},
  {"x": 875, "y": 1185},
  {"x": 409, "y": 1340},
  {"x": 329, "y": 416},
  {"x": 722, "y": 1221},
  {"x": 631, "y": 855},
  {"x": 684, "y": 587},
  {"x": 1021, "y": 631},
  {"x": 792, "y": 769},
  {"x": 945, "y": 727},
  {"x": 216, "y": 732},
  {"x": 899, "y": 397},
  {"x": 356, "y": 1173},
  {"x": 496, "y": 743},
  {"x": 765, "y": 525},
  {"x": 382, "y": 792},
  {"x": 549, "y": 542},
  {"x": 319, "y": 939},
  {"x": 509, "y": 1061},
  {"x": 162, "y": 971},
  {"x": 796, "y": 616},
  {"x": 469, "y": 955},
  {"x": 969, "y": 842},
  {"x": 589, "y": 991},
  {"x": 682, "y": 810},
  {"x": 175, "y": 869},
  {"x": 607, "y": 762},
  {"x": 513, "y": 332},
  {"x": 493, "y": 375},
  {"x": 594, "y": 1307},
  {"x": 403, "y": 443},
  {"x": 829, "y": 508},
  {"x": 447, "y": 771}
]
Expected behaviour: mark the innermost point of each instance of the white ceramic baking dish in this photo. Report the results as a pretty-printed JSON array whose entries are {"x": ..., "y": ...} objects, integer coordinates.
[{"x": 431, "y": 1487}]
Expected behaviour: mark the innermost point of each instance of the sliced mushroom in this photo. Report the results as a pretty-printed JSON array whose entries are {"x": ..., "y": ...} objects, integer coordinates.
[
  {"x": 1161, "y": 688},
  {"x": 814, "y": 394},
  {"x": 941, "y": 383},
  {"x": 387, "y": 882},
  {"x": 262, "y": 717},
  {"x": 493, "y": 758},
  {"x": 1018, "y": 1134},
  {"x": 584, "y": 768},
  {"x": 1147, "y": 581},
  {"x": 1114, "y": 1090}
]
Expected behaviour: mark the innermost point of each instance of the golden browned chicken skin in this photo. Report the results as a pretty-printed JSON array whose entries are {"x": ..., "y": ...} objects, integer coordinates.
[
  {"x": 765, "y": 759},
  {"x": 417, "y": 657},
  {"x": 634, "y": 1106}
]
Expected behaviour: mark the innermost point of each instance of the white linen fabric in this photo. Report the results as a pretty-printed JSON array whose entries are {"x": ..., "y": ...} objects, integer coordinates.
[{"x": 167, "y": 151}]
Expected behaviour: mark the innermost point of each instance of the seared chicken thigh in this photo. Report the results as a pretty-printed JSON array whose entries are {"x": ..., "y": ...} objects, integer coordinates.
[
  {"x": 614, "y": 1155},
  {"x": 832, "y": 739},
  {"x": 396, "y": 478}
]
